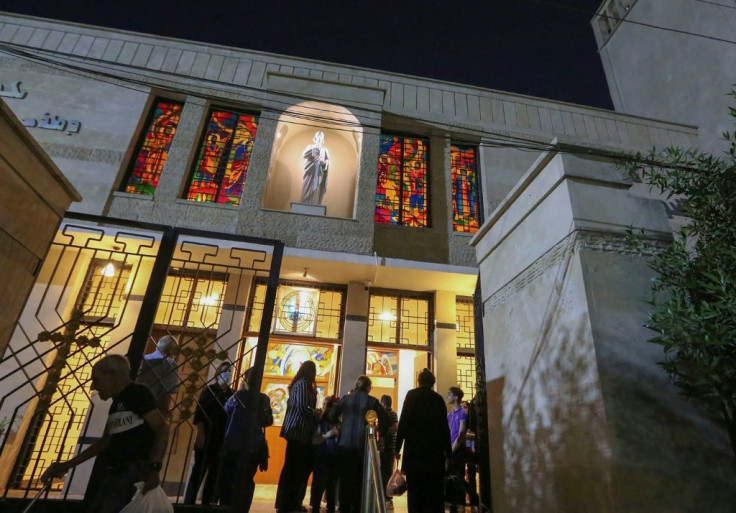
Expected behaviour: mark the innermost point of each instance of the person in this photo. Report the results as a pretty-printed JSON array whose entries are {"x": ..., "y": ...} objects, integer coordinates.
[
  {"x": 248, "y": 414},
  {"x": 299, "y": 424},
  {"x": 353, "y": 408},
  {"x": 388, "y": 454},
  {"x": 326, "y": 471},
  {"x": 132, "y": 445},
  {"x": 210, "y": 420},
  {"x": 158, "y": 372},
  {"x": 423, "y": 428},
  {"x": 457, "y": 420},
  {"x": 316, "y": 164},
  {"x": 471, "y": 449}
]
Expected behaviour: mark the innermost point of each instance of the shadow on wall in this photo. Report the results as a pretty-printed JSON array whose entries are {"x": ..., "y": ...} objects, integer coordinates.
[{"x": 548, "y": 440}]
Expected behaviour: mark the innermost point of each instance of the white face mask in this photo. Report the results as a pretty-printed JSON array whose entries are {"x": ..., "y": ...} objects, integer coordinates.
[{"x": 225, "y": 377}]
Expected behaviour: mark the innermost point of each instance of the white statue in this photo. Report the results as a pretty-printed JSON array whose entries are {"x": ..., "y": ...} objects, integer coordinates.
[{"x": 316, "y": 163}]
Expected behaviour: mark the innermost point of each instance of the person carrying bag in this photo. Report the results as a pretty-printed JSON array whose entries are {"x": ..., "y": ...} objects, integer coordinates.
[{"x": 244, "y": 449}]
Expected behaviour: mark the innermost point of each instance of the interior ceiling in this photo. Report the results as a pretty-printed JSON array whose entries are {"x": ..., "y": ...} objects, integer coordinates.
[{"x": 393, "y": 276}]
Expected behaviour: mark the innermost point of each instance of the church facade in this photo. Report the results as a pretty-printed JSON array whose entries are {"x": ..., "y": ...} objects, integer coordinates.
[{"x": 261, "y": 206}]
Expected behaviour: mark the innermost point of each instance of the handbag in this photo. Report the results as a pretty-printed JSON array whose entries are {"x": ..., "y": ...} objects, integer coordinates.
[
  {"x": 155, "y": 501},
  {"x": 396, "y": 484}
]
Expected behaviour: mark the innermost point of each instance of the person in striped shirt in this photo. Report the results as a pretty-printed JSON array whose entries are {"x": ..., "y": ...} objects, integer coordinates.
[{"x": 299, "y": 425}]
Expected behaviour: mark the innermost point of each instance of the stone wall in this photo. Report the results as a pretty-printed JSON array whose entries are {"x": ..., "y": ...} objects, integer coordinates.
[
  {"x": 33, "y": 198},
  {"x": 581, "y": 416}
]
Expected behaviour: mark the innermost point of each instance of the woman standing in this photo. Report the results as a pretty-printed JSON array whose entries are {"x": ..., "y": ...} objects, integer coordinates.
[{"x": 300, "y": 423}]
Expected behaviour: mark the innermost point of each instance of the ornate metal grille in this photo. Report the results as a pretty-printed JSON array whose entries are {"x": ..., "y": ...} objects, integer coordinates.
[{"x": 101, "y": 287}]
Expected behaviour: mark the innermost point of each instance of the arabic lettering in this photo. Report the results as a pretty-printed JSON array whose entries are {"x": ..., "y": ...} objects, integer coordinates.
[
  {"x": 13, "y": 92},
  {"x": 50, "y": 122}
]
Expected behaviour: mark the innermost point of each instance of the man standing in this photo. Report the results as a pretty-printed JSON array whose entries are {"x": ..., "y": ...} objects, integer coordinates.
[
  {"x": 353, "y": 408},
  {"x": 457, "y": 420},
  {"x": 158, "y": 372},
  {"x": 211, "y": 421},
  {"x": 132, "y": 445},
  {"x": 423, "y": 427}
]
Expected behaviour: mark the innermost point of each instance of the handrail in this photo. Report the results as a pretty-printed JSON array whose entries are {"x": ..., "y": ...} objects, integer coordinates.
[{"x": 373, "y": 498}]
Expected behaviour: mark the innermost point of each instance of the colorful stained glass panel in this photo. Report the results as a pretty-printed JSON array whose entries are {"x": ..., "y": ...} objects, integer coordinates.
[
  {"x": 222, "y": 162},
  {"x": 401, "y": 190},
  {"x": 283, "y": 359},
  {"x": 154, "y": 149},
  {"x": 465, "y": 197},
  {"x": 381, "y": 363}
]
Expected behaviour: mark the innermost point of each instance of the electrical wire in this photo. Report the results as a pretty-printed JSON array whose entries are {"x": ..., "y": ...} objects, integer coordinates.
[
  {"x": 557, "y": 5},
  {"x": 482, "y": 138}
]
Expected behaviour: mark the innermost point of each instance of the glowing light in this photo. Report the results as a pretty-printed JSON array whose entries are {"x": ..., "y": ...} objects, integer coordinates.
[
  {"x": 387, "y": 316},
  {"x": 210, "y": 300},
  {"x": 108, "y": 271}
]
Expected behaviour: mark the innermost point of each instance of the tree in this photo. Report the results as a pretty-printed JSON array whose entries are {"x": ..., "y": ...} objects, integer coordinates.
[{"x": 693, "y": 303}]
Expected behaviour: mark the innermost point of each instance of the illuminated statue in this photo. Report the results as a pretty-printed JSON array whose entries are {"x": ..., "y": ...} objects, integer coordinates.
[{"x": 316, "y": 163}]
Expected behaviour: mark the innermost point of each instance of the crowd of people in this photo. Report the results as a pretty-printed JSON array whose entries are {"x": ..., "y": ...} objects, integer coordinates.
[{"x": 230, "y": 445}]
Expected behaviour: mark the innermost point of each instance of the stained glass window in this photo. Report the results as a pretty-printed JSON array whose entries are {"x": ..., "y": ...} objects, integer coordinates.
[
  {"x": 223, "y": 157},
  {"x": 465, "y": 197},
  {"x": 401, "y": 191},
  {"x": 154, "y": 149}
]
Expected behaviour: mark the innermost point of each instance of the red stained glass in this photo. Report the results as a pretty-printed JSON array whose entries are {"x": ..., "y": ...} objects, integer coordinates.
[
  {"x": 401, "y": 191},
  {"x": 465, "y": 196},
  {"x": 154, "y": 149},
  {"x": 222, "y": 162}
]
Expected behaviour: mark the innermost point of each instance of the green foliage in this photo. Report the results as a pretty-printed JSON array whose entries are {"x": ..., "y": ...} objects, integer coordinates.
[{"x": 693, "y": 303}]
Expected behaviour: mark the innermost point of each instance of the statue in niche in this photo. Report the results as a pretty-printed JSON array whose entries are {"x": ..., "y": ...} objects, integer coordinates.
[{"x": 316, "y": 163}]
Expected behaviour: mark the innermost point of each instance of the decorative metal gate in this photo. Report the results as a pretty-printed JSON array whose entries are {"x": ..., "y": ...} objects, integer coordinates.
[{"x": 114, "y": 286}]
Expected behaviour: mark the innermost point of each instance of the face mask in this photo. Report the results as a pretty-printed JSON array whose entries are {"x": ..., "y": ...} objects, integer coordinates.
[{"x": 225, "y": 377}]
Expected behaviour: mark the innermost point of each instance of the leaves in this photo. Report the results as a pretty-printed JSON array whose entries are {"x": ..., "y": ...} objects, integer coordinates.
[{"x": 693, "y": 302}]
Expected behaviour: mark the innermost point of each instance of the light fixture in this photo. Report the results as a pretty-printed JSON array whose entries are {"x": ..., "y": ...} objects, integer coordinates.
[
  {"x": 108, "y": 271},
  {"x": 210, "y": 300}
]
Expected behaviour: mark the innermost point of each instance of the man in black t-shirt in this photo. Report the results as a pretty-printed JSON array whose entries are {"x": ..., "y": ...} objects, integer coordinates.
[{"x": 132, "y": 445}]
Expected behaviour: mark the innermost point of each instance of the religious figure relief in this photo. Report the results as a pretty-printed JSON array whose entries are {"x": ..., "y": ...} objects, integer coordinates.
[{"x": 316, "y": 163}]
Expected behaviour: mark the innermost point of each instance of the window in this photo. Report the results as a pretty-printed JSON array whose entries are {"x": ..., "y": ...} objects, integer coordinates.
[
  {"x": 223, "y": 158},
  {"x": 465, "y": 196},
  {"x": 399, "y": 319},
  {"x": 104, "y": 291},
  {"x": 465, "y": 322},
  {"x": 401, "y": 191},
  {"x": 154, "y": 148},
  {"x": 192, "y": 299}
]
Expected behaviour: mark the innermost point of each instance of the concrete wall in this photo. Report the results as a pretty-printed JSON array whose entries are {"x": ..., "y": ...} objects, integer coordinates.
[
  {"x": 33, "y": 198},
  {"x": 581, "y": 417},
  {"x": 672, "y": 59}
]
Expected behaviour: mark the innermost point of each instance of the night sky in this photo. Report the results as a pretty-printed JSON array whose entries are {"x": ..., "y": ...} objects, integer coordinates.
[{"x": 541, "y": 48}]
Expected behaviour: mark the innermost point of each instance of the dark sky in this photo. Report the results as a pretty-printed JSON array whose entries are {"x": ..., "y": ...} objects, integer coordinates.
[{"x": 541, "y": 48}]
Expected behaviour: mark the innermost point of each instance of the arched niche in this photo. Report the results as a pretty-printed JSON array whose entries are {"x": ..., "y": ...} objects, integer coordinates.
[{"x": 294, "y": 132}]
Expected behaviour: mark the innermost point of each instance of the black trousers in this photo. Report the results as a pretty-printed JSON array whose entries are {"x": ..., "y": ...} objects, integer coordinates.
[
  {"x": 387, "y": 467},
  {"x": 425, "y": 491},
  {"x": 351, "y": 482},
  {"x": 324, "y": 480},
  {"x": 294, "y": 476},
  {"x": 237, "y": 486},
  {"x": 206, "y": 461}
]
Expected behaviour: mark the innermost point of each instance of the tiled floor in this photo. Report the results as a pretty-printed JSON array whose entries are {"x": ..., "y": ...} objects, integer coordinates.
[{"x": 265, "y": 495}]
